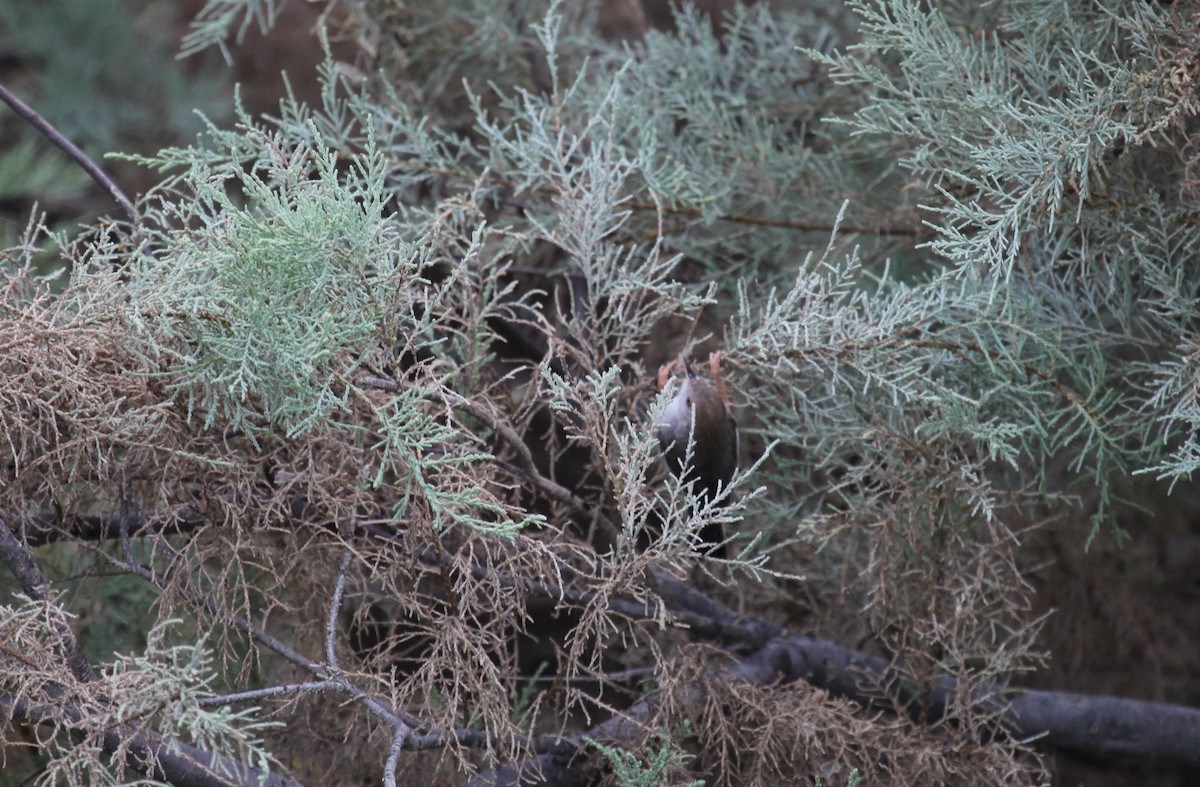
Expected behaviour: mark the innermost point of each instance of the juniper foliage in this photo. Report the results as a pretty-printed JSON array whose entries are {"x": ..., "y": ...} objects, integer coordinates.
[{"x": 384, "y": 364}]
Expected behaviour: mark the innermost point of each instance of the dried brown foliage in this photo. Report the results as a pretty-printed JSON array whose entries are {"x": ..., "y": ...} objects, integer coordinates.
[
  {"x": 487, "y": 648},
  {"x": 378, "y": 427}
]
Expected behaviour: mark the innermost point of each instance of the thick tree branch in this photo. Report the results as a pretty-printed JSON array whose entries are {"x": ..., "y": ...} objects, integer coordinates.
[{"x": 1095, "y": 726}]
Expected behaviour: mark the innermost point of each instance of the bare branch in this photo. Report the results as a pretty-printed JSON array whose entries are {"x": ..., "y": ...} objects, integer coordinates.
[
  {"x": 392, "y": 716},
  {"x": 34, "y": 583},
  {"x": 393, "y": 759},
  {"x": 48, "y": 528},
  {"x": 71, "y": 149},
  {"x": 287, "y": 689},
  {"x": 335, "y": 605}
]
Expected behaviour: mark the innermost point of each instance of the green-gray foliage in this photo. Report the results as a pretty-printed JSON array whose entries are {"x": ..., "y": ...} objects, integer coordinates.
[
  {"x": 652, "y": 767},
  {"x": 277, "y": 285},
  {"x": 163, "y": 688},
  {"x": 1061, "y": 234},
  {"x": 220, "y": 20},
  {"x": 947, "y": 252}
]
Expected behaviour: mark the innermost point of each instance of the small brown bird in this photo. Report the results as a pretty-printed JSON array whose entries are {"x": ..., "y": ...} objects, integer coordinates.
[{"x": 715, "y": 453}]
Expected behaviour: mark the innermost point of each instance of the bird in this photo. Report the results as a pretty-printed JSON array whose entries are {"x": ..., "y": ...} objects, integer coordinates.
[{"x": 715, "y": 449}]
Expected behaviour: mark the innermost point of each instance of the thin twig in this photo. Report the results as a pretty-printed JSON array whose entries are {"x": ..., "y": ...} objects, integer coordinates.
[
  {"x": 401, "y": 722},
  {"x": 335, "y": 606},
  {"x": 390, "y": 715},
  {"x": 69, "y": 147},
  {"x": 694, "y": 212},
  {"x": 787, "y": 224},
  {"x": 553, "y": 490},
  {"x": 284, "y": 690},
  {"x": 148, "y": 751}
]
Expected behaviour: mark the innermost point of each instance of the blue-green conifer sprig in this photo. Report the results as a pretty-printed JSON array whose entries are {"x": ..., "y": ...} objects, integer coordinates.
[
  {"x": 974, "y": 117},
  {"x": 220, "y": 20},
  {"x": 951, "y": 269},
  {"x": 1036, "y": 141},
  {"x": 276, "y": 287}
]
